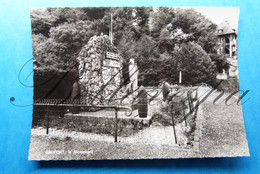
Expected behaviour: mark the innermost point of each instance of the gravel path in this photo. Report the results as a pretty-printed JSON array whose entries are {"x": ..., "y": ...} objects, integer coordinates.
[{"x": 153, "y": 135}]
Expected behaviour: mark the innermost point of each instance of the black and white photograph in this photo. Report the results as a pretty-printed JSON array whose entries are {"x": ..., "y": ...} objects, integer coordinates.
[{"x": 136, "y": 83}]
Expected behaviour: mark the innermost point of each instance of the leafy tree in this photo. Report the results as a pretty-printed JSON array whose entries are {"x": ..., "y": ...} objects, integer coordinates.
[
  {"x": 168, "y": 70},
  {"x": 194, "y": 62},
  {"x": 130, "y": 20},
  {"x": 194, "y": 25},
  {"x": 60, "y": 33},
  {"x": 160, "y": 17},
  {"x": 46, "y": 18},
  {"x": 165, "y": 42},
  {"x": 202, "y": 30},
  {"x": 41, "y": 21},
  {"x": 46, "y": 53},
  {"x": 145, "y": 53},
  {"x": 73, "y": 36}
]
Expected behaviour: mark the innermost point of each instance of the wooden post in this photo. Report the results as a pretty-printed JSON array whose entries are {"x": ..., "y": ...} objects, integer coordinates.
[
  {"x": 190, "y": 102},
  {"x": 197, "y": 108},
  {"x": 116, "y": 114},
  {"x": 47, "y": 128},
  {"x": 48, "y": 121},
  {"x": 173, "y": 125},
  {"x": 183, "y": 112}
]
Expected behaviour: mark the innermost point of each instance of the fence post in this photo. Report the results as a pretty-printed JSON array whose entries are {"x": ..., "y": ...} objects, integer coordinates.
[
  {"x": 48, "y": 121},
  {"x": 190, "y": 102},
  {"x": 173, "y": 125},
  {"x": 116, "y": 112},
  {"x": 183, "y": 112},
  {"x": 197, "y": 108}
]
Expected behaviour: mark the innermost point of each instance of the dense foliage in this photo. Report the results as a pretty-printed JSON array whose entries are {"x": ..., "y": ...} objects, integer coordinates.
[{"x": 163, "y": 41}]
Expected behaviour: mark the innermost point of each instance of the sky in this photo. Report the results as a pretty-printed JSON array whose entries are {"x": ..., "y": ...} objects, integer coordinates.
[{"x": 220, "y": 14}]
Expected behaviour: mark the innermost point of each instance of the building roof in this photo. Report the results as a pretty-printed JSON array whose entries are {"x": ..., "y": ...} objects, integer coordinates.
[{"x": 225, "y": 28}]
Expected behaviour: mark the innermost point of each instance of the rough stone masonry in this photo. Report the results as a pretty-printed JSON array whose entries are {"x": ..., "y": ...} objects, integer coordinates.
[{"x": 100, "y": 71}]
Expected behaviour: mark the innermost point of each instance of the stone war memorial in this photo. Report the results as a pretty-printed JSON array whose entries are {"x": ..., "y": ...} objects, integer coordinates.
[{"x": 100, "y": 71}]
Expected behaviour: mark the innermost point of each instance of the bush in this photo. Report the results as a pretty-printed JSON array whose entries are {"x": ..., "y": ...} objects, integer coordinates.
[
  {"x": 229, "y": 85},
  {"x": 220, "y": 62},
  {"x": 165, "y": 116}
]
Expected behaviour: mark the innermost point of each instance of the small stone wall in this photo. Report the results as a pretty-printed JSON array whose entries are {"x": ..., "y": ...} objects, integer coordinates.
[{"x": 105, "y": 124}]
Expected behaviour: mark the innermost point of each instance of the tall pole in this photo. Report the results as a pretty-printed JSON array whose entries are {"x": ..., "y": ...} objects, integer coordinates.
[
  {"x": 180, "y": 78},
  {"x": 111, "y": 28}
]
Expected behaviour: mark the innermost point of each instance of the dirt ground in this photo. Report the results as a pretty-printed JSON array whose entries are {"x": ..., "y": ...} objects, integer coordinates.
[{"x": 222, "y": 133}]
